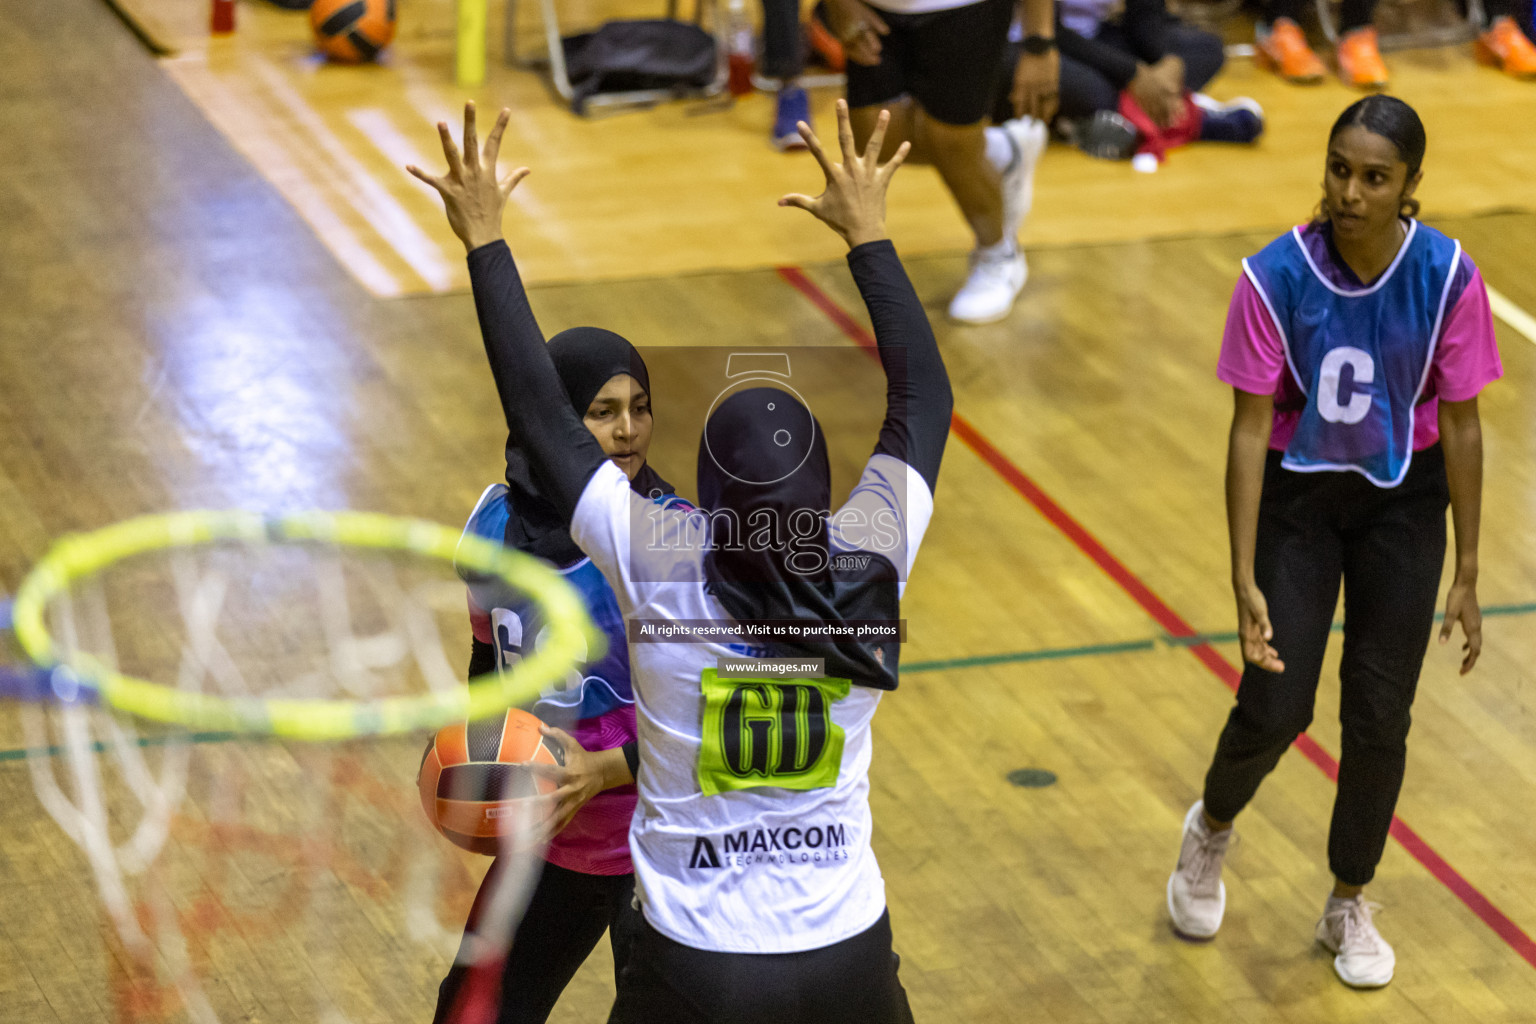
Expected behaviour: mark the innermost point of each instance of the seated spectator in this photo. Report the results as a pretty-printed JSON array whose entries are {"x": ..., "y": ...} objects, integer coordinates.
[
  {"x": 1137, "y": 51},
  {"x": 1143, "y": 50}
]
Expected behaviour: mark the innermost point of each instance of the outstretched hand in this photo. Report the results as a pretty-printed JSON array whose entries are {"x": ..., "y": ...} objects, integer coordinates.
[
  {"x": 472, "y": 195},
  {"x": 853, "y": 203}
]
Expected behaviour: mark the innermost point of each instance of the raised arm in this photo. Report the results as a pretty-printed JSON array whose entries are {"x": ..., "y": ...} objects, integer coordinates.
[
  {"x": 540, "y": 420},
  {"x": 918, "y": 399}
]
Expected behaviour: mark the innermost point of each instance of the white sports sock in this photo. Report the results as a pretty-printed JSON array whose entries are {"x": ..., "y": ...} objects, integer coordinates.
[
  {"x": 998, "y": 250},
  {"x": 1002, "y": 152}
]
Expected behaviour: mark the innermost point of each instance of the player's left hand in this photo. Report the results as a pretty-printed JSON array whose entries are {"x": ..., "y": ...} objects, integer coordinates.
[
  {"x": 853, "y": 203},
  {"x": 585, "y": 774},
  {"x": 472, "y": 195},
  {"x": 1461, "y": 606}
]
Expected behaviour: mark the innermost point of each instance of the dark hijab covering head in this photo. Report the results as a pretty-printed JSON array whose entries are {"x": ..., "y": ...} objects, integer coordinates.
[
  {"x": 586, "y": 358},
  {"x": 763, "y": 463}
]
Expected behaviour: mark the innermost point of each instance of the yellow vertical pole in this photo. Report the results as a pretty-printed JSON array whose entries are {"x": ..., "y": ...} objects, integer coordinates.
[{"x": 469, "y": 62}]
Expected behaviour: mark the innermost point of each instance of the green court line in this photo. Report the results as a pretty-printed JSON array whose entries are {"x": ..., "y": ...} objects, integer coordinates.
[
  {"x": 1338, "y": 627},
  {"x": 1048, "y": 654},
  {"x": 941, "y": 665}
]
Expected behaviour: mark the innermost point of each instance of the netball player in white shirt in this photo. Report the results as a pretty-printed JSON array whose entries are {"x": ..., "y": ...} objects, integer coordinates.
[{"x": 751, "y": 840}]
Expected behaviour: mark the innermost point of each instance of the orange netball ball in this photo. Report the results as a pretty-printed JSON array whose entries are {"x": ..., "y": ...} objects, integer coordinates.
[
  {"x": 472, "y": 776},
  {"x": 352, "y": 30}
]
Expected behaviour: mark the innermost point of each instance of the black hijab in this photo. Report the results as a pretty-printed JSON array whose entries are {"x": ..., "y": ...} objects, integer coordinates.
[
  {"x": 763, "y": 459},
  {"x": 586, "y": 358}
]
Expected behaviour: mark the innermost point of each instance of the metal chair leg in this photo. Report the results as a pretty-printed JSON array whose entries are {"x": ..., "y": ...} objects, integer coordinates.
[{"x": 1449, "y": 35}]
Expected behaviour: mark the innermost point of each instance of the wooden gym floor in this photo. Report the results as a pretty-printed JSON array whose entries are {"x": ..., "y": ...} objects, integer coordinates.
[{"x": 179, "y": 330}]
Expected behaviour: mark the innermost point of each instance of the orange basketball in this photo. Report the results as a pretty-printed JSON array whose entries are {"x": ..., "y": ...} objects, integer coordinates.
[
  {"x": 352, "y": 30},
  {"x": 472, "y": 774}
]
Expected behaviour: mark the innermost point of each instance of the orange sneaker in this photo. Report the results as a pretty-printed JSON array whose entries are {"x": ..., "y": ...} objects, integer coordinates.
[
  {"x": 1284, "y": 50},
  {"x": 1360, "y": 63},
  {"x": 1506, "y": 47}
]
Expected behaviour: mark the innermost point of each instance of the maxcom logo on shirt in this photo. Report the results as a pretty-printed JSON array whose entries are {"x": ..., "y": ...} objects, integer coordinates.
[{"x": 815, "y": 845}]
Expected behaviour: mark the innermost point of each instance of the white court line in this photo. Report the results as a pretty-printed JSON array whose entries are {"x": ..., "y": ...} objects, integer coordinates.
[
  {"x": 253, "y": 137},
  {"x": 375, "y": 124},
  {"x": 1511, "y": 314},
  {"x": 378, "y": 207}
]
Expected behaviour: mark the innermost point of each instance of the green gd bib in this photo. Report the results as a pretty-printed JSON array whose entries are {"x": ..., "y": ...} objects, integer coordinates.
[{"x": 769, "y": 732}]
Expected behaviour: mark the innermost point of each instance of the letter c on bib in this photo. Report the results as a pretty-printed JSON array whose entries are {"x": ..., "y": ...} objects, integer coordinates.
[{"x": 1359, "y": 402}]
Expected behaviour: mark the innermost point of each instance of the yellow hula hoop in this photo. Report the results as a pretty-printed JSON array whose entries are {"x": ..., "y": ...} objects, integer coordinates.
[{"x": 571, "y": 638}]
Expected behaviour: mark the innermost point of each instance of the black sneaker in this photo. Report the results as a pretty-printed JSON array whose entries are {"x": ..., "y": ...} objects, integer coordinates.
[{"x": 1107, "y": 135}]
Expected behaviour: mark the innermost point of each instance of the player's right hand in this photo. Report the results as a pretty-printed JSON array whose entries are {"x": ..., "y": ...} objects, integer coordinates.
[
  {"x": 858, "y": 28},
  {"x": 473, "y": 196},
  {"x": 853, "y": 203},
  {"x": 1254, "y": 630}
]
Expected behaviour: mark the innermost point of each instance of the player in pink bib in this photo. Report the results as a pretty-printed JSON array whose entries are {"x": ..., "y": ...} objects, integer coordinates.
[{"x": 1356, "y": 346}]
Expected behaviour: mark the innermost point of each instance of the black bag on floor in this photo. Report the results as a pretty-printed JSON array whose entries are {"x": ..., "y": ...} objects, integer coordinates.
[{"x": 622, "y": 56}]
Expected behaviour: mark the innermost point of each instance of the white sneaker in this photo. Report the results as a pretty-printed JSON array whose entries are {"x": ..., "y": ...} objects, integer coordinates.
[
  {"x": 995, "y": 280},
  {"x": 1029, "y": 137},
  {"x": 1197, "y": 897},
  {"x": 1362, "y": 957}
]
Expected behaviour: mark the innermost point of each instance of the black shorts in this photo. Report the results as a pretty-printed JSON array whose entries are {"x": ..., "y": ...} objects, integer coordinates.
[
  {"x": 947, "y": 61},
  {"x": 848, "y": 982}
]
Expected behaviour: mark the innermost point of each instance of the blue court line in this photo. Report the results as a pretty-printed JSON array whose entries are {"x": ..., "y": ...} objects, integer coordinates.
[
  {"x": 20, "y": 753},
  {"x": 940, "y": 665}
]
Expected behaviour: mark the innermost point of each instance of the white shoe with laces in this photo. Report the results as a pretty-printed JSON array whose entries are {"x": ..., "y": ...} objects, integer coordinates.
[
  {"x": 1029, "y": 137},
  {"x": 1197, "y": 897},
  {"x": 996, "y": 278},
  {"x": 1362, "y": 958}
]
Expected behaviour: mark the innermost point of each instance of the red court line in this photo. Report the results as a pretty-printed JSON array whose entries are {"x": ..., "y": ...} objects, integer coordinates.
[{"x": 1172, "y": 622}]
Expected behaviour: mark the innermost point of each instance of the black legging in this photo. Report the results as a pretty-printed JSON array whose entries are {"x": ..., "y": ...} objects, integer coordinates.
[
  {"x": 566, "y": 915},
  {"x": 1388, "y": 545},
  {"x": 783, "y": 47}
]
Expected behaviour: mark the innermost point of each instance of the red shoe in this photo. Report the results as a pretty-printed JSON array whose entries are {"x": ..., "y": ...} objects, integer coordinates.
[
  {"x": 1284, "y": 50},
  {"x": 1360, "y": 63},
  {"x": 1507, "y": 48},
  {"x": 826, "y": 46}
]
